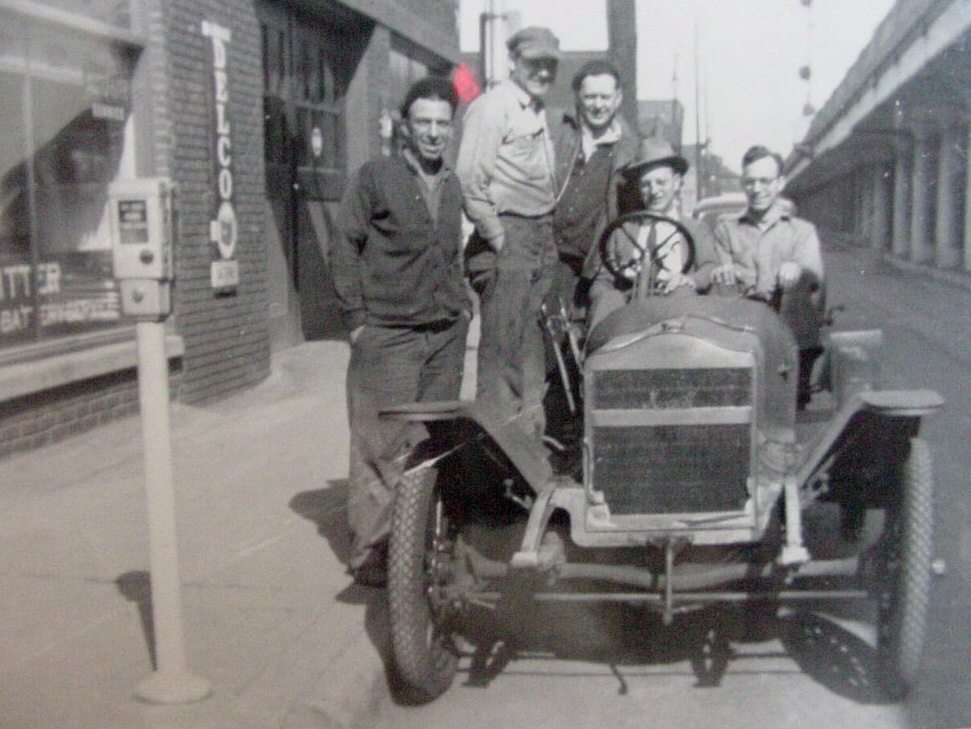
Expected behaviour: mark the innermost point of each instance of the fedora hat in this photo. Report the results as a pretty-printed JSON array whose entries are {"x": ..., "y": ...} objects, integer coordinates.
[{"x": 653, "y": 152}]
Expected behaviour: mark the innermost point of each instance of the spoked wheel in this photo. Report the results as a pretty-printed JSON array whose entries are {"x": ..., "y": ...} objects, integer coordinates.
[
  {"x": 420, "y": 569},
  {"x": 664, "y": 242},
  {"x": 904, "y": 575}
]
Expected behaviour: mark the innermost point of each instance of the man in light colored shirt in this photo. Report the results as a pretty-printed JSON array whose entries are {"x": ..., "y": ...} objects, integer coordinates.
[
  {"x": 506, "y": 169},
  {"x": 774, "y": 256}
]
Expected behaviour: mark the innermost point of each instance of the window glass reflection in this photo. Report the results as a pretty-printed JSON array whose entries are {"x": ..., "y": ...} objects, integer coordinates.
[{"x": 68, "y": 99}]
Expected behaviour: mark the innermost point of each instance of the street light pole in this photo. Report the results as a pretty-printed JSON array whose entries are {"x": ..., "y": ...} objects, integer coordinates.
[{"x": 699, "y": 177}]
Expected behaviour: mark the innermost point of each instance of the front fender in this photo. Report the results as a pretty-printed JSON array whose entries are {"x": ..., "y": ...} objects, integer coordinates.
[
  {"x": 527, "y": 456},
  {"x": 862, "y": 446}
]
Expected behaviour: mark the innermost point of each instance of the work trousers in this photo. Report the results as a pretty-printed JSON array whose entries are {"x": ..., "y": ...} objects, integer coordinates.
[
  {"x": 392, "y": 366},
  {"x": 512, "y": 360}
]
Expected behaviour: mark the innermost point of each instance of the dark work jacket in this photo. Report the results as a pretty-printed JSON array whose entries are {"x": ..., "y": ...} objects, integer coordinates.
[
  {"x": 392, "y": 265},
  {"x": 619, "y": 197}
]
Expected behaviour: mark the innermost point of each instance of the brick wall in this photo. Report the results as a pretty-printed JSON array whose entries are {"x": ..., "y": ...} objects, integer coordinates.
[
  {"x": 227, "y": 342},
  {"x": 46, "y": 417}
]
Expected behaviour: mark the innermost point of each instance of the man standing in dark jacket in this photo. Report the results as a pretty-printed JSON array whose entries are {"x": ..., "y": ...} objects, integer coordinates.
[
  {"x": 398, "y": 274},
  {"x": 593, "y": 144}
]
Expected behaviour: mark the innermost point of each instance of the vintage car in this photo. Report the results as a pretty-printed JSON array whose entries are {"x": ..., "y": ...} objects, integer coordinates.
[
  {"x": 710, "y": 210},
  {"x": 694, "y": 485}
]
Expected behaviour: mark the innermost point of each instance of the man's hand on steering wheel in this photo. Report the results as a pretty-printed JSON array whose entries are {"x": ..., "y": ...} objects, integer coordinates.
[
  {"x": 676, "y": 281},
  {"x": 629, "y": 267}
]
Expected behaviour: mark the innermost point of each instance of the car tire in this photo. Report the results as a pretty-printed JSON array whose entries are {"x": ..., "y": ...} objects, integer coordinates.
[
  {"x": 904, "y": 574},
  {"x": 419, "y": 569}
]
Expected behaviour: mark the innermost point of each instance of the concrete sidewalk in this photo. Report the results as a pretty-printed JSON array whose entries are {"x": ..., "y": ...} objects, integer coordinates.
[{"x": 271, "y": 619}]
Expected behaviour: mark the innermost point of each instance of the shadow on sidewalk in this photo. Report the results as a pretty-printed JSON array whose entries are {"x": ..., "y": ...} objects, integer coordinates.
[
  {"x": 136, "y": 587},
  {"x": 326, "y": 508}
]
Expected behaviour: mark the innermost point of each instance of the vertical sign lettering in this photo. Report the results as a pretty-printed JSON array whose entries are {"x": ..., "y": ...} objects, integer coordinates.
[{"x": 223, "y": 229}]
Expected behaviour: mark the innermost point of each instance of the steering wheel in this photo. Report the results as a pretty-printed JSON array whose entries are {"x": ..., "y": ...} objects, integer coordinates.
[{"x": 669, "y": 234}]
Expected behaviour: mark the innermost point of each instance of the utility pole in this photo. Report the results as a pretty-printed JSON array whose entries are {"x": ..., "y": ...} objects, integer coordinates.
[
  {"x": 699, "y": 174},
  {"x": 495, "y": 27},
  {"x": 675, "y": 127},
  {"x": 622, "y": 49}
]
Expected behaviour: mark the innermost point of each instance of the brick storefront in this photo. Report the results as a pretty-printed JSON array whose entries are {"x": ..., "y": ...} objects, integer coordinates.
[{"x": 260, "y": 107}]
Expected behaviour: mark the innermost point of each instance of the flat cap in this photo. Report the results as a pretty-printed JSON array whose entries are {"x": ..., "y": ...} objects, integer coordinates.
[{"x": 534, "y": 42}]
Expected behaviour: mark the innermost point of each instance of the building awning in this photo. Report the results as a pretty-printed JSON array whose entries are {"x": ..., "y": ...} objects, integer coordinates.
[
  {"x": 900, "y": 54},
  {"x": 410, "y": 25}
]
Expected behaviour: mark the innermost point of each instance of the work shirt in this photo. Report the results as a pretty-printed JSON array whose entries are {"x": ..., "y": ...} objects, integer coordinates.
[
  {"x": 394, "y": 262},
  {"x": 505, "y": 161},
  {"x": 430, "y": 185},
  {"x": 759, "y": 248}
]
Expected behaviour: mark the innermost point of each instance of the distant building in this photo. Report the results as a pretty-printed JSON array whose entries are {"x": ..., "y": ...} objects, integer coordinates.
[
  {"x": 661, "y": 118},
  {"x": 715, "y": 178},
  {"x": 885, "y": 161}
]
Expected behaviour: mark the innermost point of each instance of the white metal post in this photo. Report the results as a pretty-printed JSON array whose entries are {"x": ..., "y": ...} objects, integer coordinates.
[{"x": 171, "y": 683}]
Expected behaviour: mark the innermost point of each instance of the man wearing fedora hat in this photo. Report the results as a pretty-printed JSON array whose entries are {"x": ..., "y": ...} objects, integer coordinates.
[
  {"x": 506, "y": 168},
  {"x": 652, "y": 247}
]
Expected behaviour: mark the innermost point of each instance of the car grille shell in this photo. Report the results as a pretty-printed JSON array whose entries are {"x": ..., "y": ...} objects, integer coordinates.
[{"x": 671, "y": 440}]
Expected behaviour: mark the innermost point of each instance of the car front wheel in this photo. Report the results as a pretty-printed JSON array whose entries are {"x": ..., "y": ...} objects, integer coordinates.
[
  {"x": 420, "y": 570},
  {"x": 904, "y": 574}
]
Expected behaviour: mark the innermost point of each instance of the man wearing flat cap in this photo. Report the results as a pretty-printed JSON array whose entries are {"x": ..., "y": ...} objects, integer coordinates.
[
  {"x": 506, "y": 169},
  {"x": 655, "y": 250}
]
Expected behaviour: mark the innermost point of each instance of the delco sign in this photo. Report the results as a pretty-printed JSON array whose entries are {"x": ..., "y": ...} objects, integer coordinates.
[{"x": 223, "y": 228}]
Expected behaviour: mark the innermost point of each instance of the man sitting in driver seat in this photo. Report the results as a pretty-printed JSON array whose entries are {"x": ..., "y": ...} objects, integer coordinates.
[{"x": 646, "y": 256}]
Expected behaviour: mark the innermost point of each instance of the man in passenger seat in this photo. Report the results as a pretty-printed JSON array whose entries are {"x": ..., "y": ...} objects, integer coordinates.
[{"x": 774, "y": 256}]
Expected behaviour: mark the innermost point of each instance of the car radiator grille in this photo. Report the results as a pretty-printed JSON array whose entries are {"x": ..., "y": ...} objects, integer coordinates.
[
  {"x": 696, "y": 388},
  {"x": 671, "y": 441}
]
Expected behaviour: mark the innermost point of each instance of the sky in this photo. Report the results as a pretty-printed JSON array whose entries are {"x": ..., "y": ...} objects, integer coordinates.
[{"x": 749, "y": 56}]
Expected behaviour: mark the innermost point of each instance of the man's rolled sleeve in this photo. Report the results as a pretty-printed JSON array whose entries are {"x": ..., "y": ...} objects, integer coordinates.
[
  {"x": 808, "y": 254},
  {"x": 729, "y": 251}
]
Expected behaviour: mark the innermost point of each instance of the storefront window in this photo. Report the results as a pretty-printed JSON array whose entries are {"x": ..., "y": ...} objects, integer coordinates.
[
  {"x": 320, "y": 79},
  {"x": 67, "y": 100}
]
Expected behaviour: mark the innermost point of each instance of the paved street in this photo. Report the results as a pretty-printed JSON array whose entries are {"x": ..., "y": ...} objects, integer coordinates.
[{"x": 927, "y": 324}]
